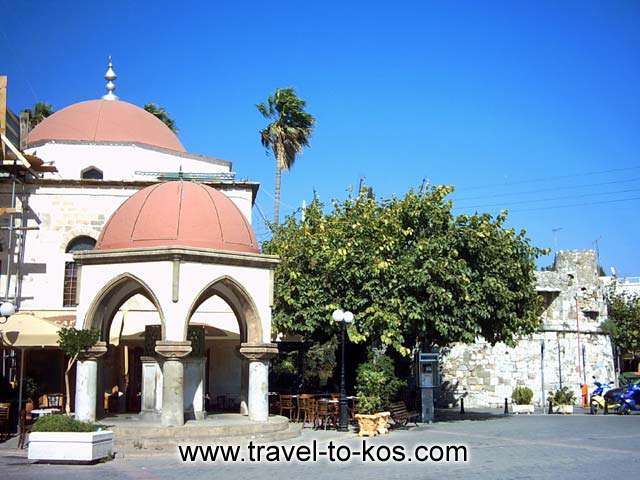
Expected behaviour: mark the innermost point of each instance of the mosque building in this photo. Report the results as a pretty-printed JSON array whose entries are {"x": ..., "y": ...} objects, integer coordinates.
[{"x": 128, "y": 232}]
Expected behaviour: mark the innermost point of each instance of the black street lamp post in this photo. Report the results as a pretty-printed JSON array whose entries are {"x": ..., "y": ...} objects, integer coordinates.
[{"x": 343, "y": 318}]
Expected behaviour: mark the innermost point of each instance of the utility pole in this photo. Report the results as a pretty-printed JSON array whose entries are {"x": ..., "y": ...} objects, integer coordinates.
[{"x": 542, "y": 401}]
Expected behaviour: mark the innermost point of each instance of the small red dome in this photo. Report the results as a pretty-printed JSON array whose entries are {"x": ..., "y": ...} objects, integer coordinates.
[
  {"x": 178, "y": 214},
  {"x": 105, "y": 121}
]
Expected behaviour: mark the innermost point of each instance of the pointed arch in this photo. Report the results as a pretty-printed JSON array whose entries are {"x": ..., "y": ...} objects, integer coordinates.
[
  {"x": 112, "y": 296},
  {"x": 241, "y": 303}
]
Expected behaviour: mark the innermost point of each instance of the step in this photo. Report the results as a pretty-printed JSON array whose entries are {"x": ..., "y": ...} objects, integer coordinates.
[{"x": 165, "y": 445}]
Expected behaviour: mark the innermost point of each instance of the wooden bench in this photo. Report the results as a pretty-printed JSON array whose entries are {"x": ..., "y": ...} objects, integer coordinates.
[{"x": 401, "y": 416}]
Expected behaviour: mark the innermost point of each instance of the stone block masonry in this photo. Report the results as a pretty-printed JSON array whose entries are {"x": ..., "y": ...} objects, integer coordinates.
[{"x": 574, "y": 346}]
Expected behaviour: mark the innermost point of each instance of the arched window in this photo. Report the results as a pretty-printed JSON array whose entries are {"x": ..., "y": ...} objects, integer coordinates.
[
  {"x": 69, "y": 290},
  {"x": 91, "y": 173}
]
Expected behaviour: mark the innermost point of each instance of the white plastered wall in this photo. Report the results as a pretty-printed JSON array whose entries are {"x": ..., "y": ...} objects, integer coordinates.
[
  {"x": 194, "y": 277},
  {"x": 119, "y": 162},
  {"x": 62, "y": 213}
]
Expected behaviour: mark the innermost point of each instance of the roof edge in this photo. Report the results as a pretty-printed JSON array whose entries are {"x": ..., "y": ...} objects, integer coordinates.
[{"x": 146, "y": 146}]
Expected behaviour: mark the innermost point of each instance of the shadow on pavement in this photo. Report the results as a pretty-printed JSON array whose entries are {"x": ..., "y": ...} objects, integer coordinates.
[{"x": 454, "y": 415}]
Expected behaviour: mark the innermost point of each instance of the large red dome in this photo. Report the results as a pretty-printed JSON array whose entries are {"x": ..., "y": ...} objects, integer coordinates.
[
  {"x": 105, "y": 121},
  {"x": 180, "y": 214}
]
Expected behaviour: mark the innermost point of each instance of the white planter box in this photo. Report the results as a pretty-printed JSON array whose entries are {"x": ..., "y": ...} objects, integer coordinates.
[
  {"x": 565, "y": 409},
  {"x": 522, "y": 408},
  {"x": 70, "y": 446}
]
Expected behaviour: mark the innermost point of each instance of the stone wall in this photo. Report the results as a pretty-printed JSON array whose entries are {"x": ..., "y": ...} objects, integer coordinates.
[{"x": 575, "y": 307}]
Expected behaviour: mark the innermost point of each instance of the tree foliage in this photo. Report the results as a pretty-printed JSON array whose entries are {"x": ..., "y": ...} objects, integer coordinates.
[
  {"x": 319, "y": 363},
  {"x": 623, "y": 324},
  {"x": 38, "y": 113},
  {"x": 287, "y": 134},
  {"x": 161, "y": 114},
  {"x": 409, "y": 269}
]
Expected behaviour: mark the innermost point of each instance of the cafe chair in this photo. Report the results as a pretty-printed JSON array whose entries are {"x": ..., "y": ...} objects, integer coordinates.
[
  {"x": 5, "y": 410},
  {"x": 286, "y": 405},
  {"x": 306, "y": 408}
]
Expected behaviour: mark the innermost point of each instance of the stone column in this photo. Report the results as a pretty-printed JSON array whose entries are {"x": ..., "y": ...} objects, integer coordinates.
[
  {"x": 173, "y": 381},
  {"x": 194, "y": 369},
  {"x": 150, "y": 373},
  {"x": 258, "y": 356},
  {"x": 244, "y": 382},
  {"x": 87, "y": 382}
]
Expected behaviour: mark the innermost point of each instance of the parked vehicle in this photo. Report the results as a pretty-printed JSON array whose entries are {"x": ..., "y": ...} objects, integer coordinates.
[
  {"x": 630, "y": 399},
  {"x": 597, "y": 398}
]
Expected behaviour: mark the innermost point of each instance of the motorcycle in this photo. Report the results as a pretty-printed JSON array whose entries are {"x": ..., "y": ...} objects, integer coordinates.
[
  {"x": 604, "y": 393},
  {"x": 630, "y": 400}
]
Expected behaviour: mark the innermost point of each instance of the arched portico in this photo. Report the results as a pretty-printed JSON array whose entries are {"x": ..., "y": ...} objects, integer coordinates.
[
  {"x": 100, "y": 313},
  {"x": 178, "y": 243},
  {"x": 177, "y": 281},
  {"x": 246, "y": 313},
  {"x": 244, "y": 309},
  {"x": 111, "y": 297}
]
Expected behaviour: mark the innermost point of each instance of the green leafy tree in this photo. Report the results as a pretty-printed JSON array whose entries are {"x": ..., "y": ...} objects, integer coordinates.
[
  {"x": 38, "y": 113},
  {"x": 287, "y": 134},
  {"x": 623, "y": 324},
  {"x": 73, "y": 342},
  {"x": 161, "y": 114},
  {"x": 410, "y": 270}
]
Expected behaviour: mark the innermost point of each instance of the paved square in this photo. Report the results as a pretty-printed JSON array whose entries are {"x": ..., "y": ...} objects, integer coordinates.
[{"x": 525, "y": 447}]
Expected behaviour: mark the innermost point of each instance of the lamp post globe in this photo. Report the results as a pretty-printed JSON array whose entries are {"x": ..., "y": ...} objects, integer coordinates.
[
  {"x": 7, "y": 309},
  {"x": 338, "y": 315},
  {"x": 348, "y": 317}
]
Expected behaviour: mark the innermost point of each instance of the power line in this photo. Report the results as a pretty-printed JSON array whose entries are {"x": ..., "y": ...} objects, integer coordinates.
[
  {"x": 557, "y": 177},
  {"x": 264, "y": 219},
  {"x": 551, "y": 189},
  {"x": 281, "y": 202},
  {"x": 549, "y": 199},
  {"x": 585, "y": 204}
]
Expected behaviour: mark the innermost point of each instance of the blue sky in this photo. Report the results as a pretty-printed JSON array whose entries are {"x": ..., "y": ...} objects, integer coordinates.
[{"x": 532, "y": 106}]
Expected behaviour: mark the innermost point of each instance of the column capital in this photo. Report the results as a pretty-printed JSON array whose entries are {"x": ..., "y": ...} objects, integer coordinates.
[
  {"x": 258, "y": 351},
  {"x": 95, "y": 352},
  {"x": 146, "y": 359},
  {"x": 173, "y": 349}
]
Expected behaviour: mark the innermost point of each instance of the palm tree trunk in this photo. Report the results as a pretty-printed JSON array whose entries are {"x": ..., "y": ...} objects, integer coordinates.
[{"x": 276, "y": 207}]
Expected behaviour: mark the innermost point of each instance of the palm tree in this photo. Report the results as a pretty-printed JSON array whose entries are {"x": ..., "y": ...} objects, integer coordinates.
[
  {"x": 38, "y": 113},
  {"x": 161, "y": 114},
  {"x": 287, "y": 134}
]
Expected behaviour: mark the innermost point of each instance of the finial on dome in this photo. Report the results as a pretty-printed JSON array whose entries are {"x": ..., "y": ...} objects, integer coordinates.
[{"x": 110, "y": 76}]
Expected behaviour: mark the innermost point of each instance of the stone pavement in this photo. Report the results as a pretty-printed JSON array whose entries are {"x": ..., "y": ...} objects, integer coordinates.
[{"x": 519, "y": 447}]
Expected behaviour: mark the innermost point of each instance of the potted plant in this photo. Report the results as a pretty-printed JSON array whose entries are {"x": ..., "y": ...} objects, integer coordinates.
[
  {"x": 60, "y": 438},
  {"x": 562, "y": 400},
  {"x": 376, "y": 384},
  {"x": 521, "y": 400}
]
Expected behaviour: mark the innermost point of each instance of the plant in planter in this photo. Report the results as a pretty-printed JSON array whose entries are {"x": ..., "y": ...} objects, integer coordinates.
[
  {"x": 521, "y": 400},
  {"x": 376, "y": 384},
  {"x": 60, "y": 438},
  {"x": 562, "y": 400}
]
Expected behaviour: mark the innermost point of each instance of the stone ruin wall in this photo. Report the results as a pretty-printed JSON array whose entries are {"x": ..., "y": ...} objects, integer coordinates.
[{"x": 485, "y": 375}]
